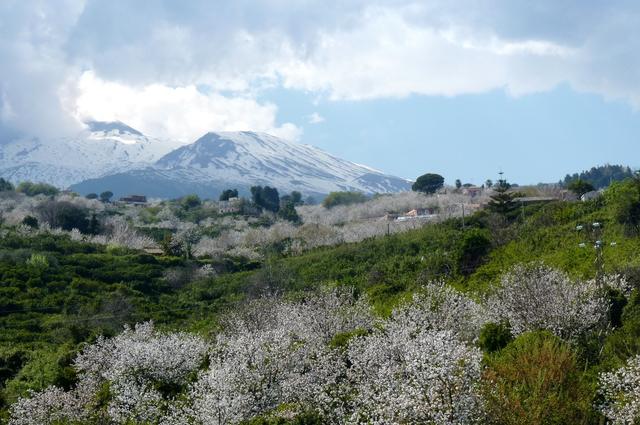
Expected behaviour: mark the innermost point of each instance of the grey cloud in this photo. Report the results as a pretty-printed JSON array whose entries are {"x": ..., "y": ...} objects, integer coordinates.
[
  {"x": 44, "y": 43},
  {"x": 33, "y": 67}
]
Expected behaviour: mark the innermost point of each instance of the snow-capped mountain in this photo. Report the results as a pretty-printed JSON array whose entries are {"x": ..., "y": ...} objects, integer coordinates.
[
  {"x": 259, "y": 158},
  {"x": 103, "y": 148},
  {"x": 113, "y": 156},
  {"x": 217, "y": 161}
]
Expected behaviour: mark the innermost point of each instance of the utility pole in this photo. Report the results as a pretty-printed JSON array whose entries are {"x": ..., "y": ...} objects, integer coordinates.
[{"x": 593, "y": 232}]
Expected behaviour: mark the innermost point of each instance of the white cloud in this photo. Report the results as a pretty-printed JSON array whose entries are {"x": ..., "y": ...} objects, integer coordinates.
[
  {"x": 315, "y": 118},
  {"x": 159, "y": 52},
  {"x": 390, "y": 57},
  {"x": 180, "y": 113}
]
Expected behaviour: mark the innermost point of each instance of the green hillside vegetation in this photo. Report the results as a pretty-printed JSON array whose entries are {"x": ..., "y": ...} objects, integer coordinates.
[{"x": 57, "y": 294}]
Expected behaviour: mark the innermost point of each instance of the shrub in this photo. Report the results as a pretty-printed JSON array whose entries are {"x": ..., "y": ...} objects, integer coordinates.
[
  {"x": 494, "y": 337},
  {"x": 475, "y": 245},
  {"x": 30, "y": 221},
  {"x": 536, "y": 380},
  {"x": 623, "y": 200}
]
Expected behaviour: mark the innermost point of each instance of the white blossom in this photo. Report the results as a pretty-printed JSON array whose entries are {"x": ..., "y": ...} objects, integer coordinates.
[
  {"x": 132, "y": 364},
  {"x": 437, "y": 306},
  {"x": 539, "y": 297},
  {"x": 620, "y": 391},
  {"x": 426, "y": 377}
]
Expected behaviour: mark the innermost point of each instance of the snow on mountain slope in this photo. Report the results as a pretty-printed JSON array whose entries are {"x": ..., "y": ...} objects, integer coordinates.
[
  {"x": 248, "y": 158},
  {"x": 113, "y": 156},
  {"x": 104, "y": 148}
]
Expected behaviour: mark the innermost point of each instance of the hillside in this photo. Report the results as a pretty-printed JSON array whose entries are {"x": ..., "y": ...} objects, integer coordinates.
[{"x": 58, "y": 293}]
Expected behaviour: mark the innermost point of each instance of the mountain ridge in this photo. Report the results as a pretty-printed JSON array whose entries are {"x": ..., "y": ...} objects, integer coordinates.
[{"x": 113, "y": 156}]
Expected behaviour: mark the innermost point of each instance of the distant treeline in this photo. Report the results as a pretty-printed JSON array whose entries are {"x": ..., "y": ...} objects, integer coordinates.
[{"x": 601, "y": 176}]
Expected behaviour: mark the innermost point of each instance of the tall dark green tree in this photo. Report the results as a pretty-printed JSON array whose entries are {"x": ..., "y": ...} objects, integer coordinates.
[
  {"x": 266, "y": 197},
  {"x": 458, "y": 184},
  {"x": 288, "y": 212},
  {"x": 5, "y": 185},
  {"x": 502, "y": 201},
  {"x": 228, "y": 193},
  {"x": 428, "y": 183},
  {"x": 296, "y": 197},
  {"x": 106, "y": 196}
]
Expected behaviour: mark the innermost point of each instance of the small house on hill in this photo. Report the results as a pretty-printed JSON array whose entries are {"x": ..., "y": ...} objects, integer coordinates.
[
  {"x": 472, "y": 191},
  {"x": 419, "y": 212},
  {"x": 230, "y": 206}
]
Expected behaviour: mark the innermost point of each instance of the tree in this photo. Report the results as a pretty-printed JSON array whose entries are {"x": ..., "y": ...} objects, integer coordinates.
[
  {"x": 488, "y": 183},
  {"x": 428, "y": 183},
  {"x": 343, "y": 198},
  {"x": 5, "y": 185},
  {"x": 33, "y": 189},
  {"x": 288, "y": 212},
  {"x": 619, "y": 389},
  {"x": 94, "y": 225},
  {"x": 266, "y": 197},
  {"x": 296, "y": 197},
  {"x": 170, "y": 245},
  {"x": 64, "y": 215},
  {"x": 502, "y": 201},
  {"x": 106, "y": 196},
  {"x": 228, "y": 193},
  {"x": 538, "y": 297},
  {"x": 602, "y": 176},
  {"x": 190, "y": 201},
  {"x": 458, "y": 184},
  {"x": 92, "y": 196},
  {"x": 580, "y": 187}
]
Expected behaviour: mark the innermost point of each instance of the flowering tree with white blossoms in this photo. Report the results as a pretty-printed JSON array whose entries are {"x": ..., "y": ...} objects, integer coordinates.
[
  {"x": 276, "y": 352},
  {"x": 438, "y": 306},
  {"x": 279, "y": 357},
  {"x": 134, "y": 366},
  {"x": 620, "y": 391},
  {"x": 539, "y": 297},
  {"x": 428, "y": 377}
]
